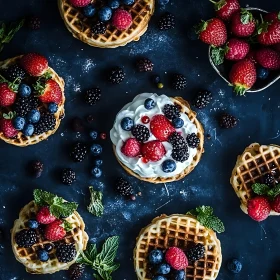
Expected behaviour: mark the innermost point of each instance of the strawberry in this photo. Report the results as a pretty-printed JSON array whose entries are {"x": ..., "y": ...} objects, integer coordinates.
[
  {"x": 275, "y": 204},
  {"x": 268, "y": 58},
  {"x": 243, "y": 76},
  {"x": 6, "y": 126},
  {"x": 34, "y": 64},
  {"x": 55, "y": 231},
  {"x": 153, "y": 150},
  {"x": 243, "y": 24},
  {"x": 269, "y": 33},
  {"x": 80, "y": 3},
  {"x": 176, "y": 258},
  {"x": 237, "y": 49},
  {"x": 48, "y": 91},
  {"x": 161, "y": 127},
  {"x": 258, "y": 208},
  {"x": 212, "y": 32},
  {"x": 226, "y": 8},
  {"x": 44, "y": 216},
  {"x": 131, "y": 148},
  {"x": 273, "y": 16},
  {"x": 7, "y": 95}
]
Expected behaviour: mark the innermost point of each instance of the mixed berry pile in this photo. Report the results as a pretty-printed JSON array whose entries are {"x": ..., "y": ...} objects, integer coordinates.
[{"x": 29, "y": 97}]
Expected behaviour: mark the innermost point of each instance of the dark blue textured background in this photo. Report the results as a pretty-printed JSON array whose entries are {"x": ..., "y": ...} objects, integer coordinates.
[{"x": 256, "y": 245}]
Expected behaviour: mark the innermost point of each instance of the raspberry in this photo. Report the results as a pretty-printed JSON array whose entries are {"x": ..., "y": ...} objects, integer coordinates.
[
  {"x": 131, "y": 148},
  {"x": 259, "y": 208},
  {"x": 176, "y": 258},
  {"x": 44, "y": 216},
  {"x": 275, "y": 204},
  {"x": 80, "y": 3},
  {"x": 121, "y": 19},
  {"x": 153, "y": 150}
]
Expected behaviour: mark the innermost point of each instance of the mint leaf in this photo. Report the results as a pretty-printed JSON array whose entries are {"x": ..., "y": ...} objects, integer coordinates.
[
  {"x": 91, "y": 251},
  {"x": 95, "y": 207},
  {"x": 277, "y": 277},
  {"x": 97, "y": 277},
  {"x": 206, "y": 210},
  {"x": 274, "y": 192},
  {"x": 43, "y": 198},
  {"x": 260, "y": 189},
  {"x": 218, "y": 55},
  {"x": 12, "y": 30}
]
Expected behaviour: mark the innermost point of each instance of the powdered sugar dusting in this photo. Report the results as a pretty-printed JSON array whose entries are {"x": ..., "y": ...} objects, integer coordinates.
[{"x": 88, "y": 65}]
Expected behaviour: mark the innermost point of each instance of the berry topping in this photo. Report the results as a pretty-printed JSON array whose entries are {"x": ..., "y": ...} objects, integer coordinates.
[
  {"x": 128, "y": 2},
  {"x": 44, "y": 216},
  {"x": 24, "y": 90},
  {"x": 66, "y": 253},
  {"x": 76, "y": 271},
  {"x": 116, "y": 75},
  {"x": 180, "y": 155},
  {"x": 23, "y": 105},
  {"x": 113, "y": 4},
  {"x": 243, "y": 23},
  {"x": 49, "y": 92},
  {"x": 156, "y": 257},
  {"x": 226, "y": 8},
  {"x": 80, "y": 3},
  {"x": 78, "y": 152},
  {"x": 33, "y": 224},
  {"x": 96, "y": 149},
  {"x": 168, "y": 166},
  {"x": 192, "y": 140},
  {"x": 26, "y": 238},
  {"x": 166, "y": 22},
  {"x": 177, "y": 122},
  {"x": 275, "y": 204},
  {"x": 124, "y": 187},
  {"x": 55, "y": 231},
  {"x": 33, "y": 116},
  {"x": 153, "y": 150},
  {"x": 7, "y": 95},
  {"x": 131, "y": 148},
  {"x": 149, "y": 104},
  {"x": 227, "y": 121},
  {"x": 161, "y": 127},
  {"x": 177, "y": 141},
  {"x": 258, "y": 208},
  {"x": 171, "y": 111},
  {"x": 68, "y": 176},
  {"x": 234, "y": 266},
  {"x": 105, "y": 13},
  {"x": 145, "y": 119},
  {"x": 96, "y": 172},
  {"x": 179, "y": 82},
  {"x": 14, "y": 72},
  {"x": 18, "y": 123},
  {"x": 176, "y": 258},
  {"x": 28, "y": 130},
  {"x": 7, "y": 127},
  {"x": 127, "y": 123},
  {"x": 34, "y": 64},
  {"x": 34, "y": 23},
  {"x": 89, "y": 11},
  {"x": 92, "y": 96},
  {"x": 43, "y": 255},
  {"x": 268, "y": 58},
  {"x": 121, "y": 19},
  {"x": 145, "y": 65},
  {"x": 164, "y": 269},
  {"x": 37, "y": 168},
  {"x": 202, "y": 99},
  {"x": 98, "y": 28},
  {"x": 196, "y": 252},
  {"x": 47, "y": 122},
  {"x": 269, "y": 179},
  {"x": 141, "y": 133},
  {"x": 52, "y": 107},
  {"x": 159, "y": 277},
  {"x": 179, "y": 275},
  {"x": 144, "y": 160}
]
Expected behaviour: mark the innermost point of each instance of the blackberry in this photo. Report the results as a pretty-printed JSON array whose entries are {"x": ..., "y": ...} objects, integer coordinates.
[
  {"x": 47, "y": 122},
  {"x": 26, "y": 238},
  {"x": 171, "y": 111},
  {"x": 76, "y": 271},
  {"x": 192, "y": 140},
  {"x": 98, "y": 28},
  {"x": 180, "y": 155},
  {"x": 24, "y": 105},
  {"x": 34, "y": 23},
  {"x": 123, "y": 187},
  {"x": 37, "y": 168},
  {"x": 116, "y": 75},
  {"x": 196, "y": 253},
  {"x": 202, "y": 99},
  {"x": 68, "y": 176},
  {"x": 93, "y": 95},
  {"x": 177, "y": 141},
  {"x": 179, "y": 82},
  {"x": 66, "y": 253},
  {"x": 269, "y": 179},
  {"x": 145, "y": 65},
  {"x": 141, "y": 133},
  {"x": 166, "y": 22},
  {"x": 78, "y": 152},
  {"x": 228, "y": 121},
  {"x": 14, "y": 72}
]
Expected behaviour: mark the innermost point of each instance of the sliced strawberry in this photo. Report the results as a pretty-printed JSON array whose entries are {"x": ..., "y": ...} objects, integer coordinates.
[
  {"x": 34, "y": 64},
  {"x": 153, "y": 150},
  {"x": 6, "y": 126},
  {"x": 55, "y": 231},
  {"x": 49, "y": 91},
  {"x": 131, "y": 148},
  {"x": 161, "y": 127}
]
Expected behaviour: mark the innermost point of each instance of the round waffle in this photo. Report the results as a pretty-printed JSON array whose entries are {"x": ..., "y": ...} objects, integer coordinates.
[
  {"x": 180, "y": 231},
  {"x": 28, "y": 256},
  {"x": 21, "y": 140},
  {"x": 200, "y": 150},
  {"x": 141, "y": 12},
  {"x": 254, "y": 162}
]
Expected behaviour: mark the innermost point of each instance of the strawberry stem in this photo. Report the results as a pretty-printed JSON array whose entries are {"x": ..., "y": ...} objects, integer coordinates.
[
  {"x": 240, "y": 89},
  {"x": 201, "y": 27},
  {"x": 13, "y": 86}
]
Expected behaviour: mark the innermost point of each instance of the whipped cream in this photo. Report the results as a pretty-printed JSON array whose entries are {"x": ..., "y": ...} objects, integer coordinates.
[{"x": 136, "y": 110}]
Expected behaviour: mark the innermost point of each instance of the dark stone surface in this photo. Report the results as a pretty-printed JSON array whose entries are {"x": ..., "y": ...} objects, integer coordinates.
[{"x": 256, "y": 245}]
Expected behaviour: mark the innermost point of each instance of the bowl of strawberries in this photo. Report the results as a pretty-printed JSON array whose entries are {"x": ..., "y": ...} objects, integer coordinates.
[{"x": 244, "y": 45}]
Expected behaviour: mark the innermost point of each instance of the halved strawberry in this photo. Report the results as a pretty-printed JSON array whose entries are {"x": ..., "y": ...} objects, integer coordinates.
[
  {"x": 48, "y": 91},
  {"x": 6, "y": 126},
  {"x": 153, "y": 150},
  {"x": 34, "y": 64},
  {"x": 161, "y": 127}
]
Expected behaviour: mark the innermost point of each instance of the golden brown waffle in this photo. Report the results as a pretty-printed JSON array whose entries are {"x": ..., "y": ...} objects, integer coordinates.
[
  {"x": 141, "y": 12},
  {"x": 28, "y": 256},
  {"x": 200, "y": 150},
  {"x": 22, "y": 140},
  {"x": 256, "y": 161},
  {"x": 179, "y": 231}
]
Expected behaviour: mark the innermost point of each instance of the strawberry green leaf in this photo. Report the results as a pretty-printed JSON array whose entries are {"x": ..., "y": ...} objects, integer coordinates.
[
  {"x": 9, "y": 116},
  {"x": 201, "y": 27},
  {"x": 218, "y": 55},
  {"x": 260, "y": 189}
]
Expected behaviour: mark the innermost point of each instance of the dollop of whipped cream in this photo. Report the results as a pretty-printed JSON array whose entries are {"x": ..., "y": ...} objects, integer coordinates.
[{"x": 136, "y": 110}]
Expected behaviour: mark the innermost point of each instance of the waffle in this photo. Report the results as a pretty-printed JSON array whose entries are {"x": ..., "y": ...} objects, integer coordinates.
[
  {"x": 21, "y": 140},
  {"x": 255, "y": 161},
  {"x": 141, "y": 12},
  {"x": 180, "y": 231},
  {"x": 200, "y": 150},
  {"x": 28, "y": 257}
]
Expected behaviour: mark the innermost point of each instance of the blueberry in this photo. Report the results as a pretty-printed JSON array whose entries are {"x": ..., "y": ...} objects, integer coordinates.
[
  {"x": 89, "y": 10},
  {"x": 33, "y": 116},
  {"x": 114, "y": 4},
  {"x": 24, "y": 90},
  {"x": 262, "y": 73},
  {"x": 179, "y": 275},
  {"x": 28, "y": 130},
  {"x": 156, "y": 257},
  {"x": 43, "y": 255},
  {"x": 128, "y": 2},
  {"x": 93, "y": 135},
  {"x": 149, "y": 104},
  {"x": 159, "y": 277},
  {"x": 48, "y": 247},
  {"x": 98, "y": 162},
  {"x": 105, "y": 13},
  {"x": 177, "y": 122},
  {"x": 234, "y": 266},
  {"x": 96, "y": 149},
  {"x": 127, "y": 124},
  {"x": 33, "y": 224},
  {"x": 164, "y": 269},
  {"x": 163, "y": 2},
  {"x": 52, "y": 107},
  {"x": 19, "y": 123},
  {"x": 168, "y": 166},
  {"x": 96, "y": 172}
]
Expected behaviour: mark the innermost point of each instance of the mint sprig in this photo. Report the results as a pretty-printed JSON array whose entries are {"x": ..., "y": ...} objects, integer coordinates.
[
  {"x": 95, "y": 207},
  {"x": 58, "y": 207},
  {"x": 204, "y": 214},
  {"x": 102, "y": 263},
  {"x": 263, "y": 189},
  {"x": 277, "y": 277}
]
